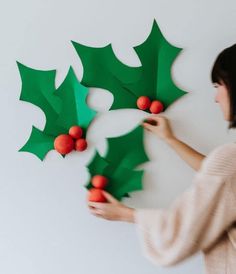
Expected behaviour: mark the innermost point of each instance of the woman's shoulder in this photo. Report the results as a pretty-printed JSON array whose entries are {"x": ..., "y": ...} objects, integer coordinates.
[
  {"x": 225, "y": 150},
  {"x": 221, "y": 160}
]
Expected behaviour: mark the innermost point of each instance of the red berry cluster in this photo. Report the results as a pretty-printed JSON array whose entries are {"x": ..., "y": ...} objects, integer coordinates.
[
  {"x": 65, "y": 143},
  {"x": 95, "y": 194},
  {"x": 145, "y": 103}
]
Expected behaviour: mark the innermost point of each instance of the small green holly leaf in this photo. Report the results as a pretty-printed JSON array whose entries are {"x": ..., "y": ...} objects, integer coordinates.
[
  {"x": 119, "y": 165},
  {"x": 98, "y": 165},
  {"x": 121, "y": 180},
  {"x": 132, "y": 181},
  {"x": 102, "y": 69},
  {"x": 38, "y": 143},
  {"x": 127, "y": 150},
  {"x": 74, "y": 110},
  {"x": 63, "y": 107}
]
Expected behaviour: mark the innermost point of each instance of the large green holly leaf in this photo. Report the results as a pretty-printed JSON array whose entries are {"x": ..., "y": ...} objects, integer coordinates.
[
  {"x": 153, "y": 78},
  {"x": 63, "y": 107},
  {"x": 119, "y": 165}
]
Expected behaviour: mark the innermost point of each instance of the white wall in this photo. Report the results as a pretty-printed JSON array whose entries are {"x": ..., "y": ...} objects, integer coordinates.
[{"x": 45, "y": 226}]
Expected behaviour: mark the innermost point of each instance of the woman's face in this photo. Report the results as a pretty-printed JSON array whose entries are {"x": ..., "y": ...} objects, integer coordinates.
[{"x": 222, "y": 98}]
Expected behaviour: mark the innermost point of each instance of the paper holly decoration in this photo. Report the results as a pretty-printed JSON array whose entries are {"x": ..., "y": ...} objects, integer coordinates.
[
  {"x": 149, "y": 86},
  {"x": 153, "y": 78},
  {"x": 124, "y": 154},
  {"x": 63, "y": 107}
]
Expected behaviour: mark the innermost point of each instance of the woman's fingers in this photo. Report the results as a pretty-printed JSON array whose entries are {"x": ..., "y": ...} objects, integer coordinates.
[
  {"x": 95, "y": 209},
  {"x": 96, "y": 205},
  {"x": 148, "y": 126},
  {"x": 153, "y": 121},
  {"x": 109, "y": 197},
  {"x": 95, "y": 212},
  {"x": 157, "y": 116},
  {"x": 150, "y": 121}
]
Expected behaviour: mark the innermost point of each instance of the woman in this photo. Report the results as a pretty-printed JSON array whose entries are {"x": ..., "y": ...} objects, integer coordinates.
[{"x": 203, "y": 218}]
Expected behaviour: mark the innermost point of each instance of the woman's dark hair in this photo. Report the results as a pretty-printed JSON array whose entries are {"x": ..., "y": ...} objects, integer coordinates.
[{"x": 224, "y": 70}]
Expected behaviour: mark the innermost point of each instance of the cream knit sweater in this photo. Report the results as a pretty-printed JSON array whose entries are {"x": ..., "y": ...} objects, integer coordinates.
[{"x": 203, "y": 218}]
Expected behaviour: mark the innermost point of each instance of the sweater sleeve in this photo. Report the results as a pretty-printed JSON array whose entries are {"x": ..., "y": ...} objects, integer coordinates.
[{"x": 196, "y": 219}]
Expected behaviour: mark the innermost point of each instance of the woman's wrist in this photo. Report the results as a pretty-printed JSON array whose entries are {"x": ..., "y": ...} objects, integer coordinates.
[
  {"x": 127, "y": 214},
  {"x": 170, "y": 140}
]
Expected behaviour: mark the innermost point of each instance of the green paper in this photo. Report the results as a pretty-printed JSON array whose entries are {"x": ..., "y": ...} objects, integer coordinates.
[
  {"x": 63, "y": 107},
  {"x": 127, "y": 150},
  {"x": 74, "y": 110},
  {"x": 153, "y": 78},
  {"x": 38, "y": 89},
  {"x": 120, "y": 162},
  {"x": 38, "y": 143}
]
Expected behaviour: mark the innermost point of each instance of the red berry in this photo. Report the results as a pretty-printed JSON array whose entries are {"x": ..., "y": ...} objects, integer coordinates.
[
  {"x": 99, "y": 181},
  {"x": 64, "y": 144},
  {"x": 76, "y": 132},
  {"x": 156, "y": 107},
  {"x": 96, "y": 195},
  {"x": 81, "y": 144},
  {"x": 143, "y": 102}
]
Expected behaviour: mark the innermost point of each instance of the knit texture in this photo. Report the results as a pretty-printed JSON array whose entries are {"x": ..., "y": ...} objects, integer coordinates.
[{"x": 202, "y": 219}]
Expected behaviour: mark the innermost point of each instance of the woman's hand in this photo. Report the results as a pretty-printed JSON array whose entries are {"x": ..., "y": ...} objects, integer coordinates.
[
  {"x": 160, "y": 126},
  {"x": 113, "y": 210}
]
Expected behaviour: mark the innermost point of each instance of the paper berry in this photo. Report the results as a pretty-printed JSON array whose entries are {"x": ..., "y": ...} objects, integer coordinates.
[
  {"x": 156, "y": 107},
  {"x": 81, "y": 144},
  {"x": 143, "y": 102},
  {"x": 96, "y": 195},
  {"x": 76, "y": 132},
  {"x": 99, "y": 181},
  {"x": 64, "y": 144}
]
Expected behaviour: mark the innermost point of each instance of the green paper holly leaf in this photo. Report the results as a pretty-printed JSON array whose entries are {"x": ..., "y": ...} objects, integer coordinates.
[
  {"x": 39, "y": 143},
  {"x": 120, "y": 163},
  {"x": 74, "y": 109},
  {"x": 63, "y": 107},
  {"x": 38, "y": 88},
  {"x": 127, "y": 150},
  {"x": 153, "y": 78}
]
